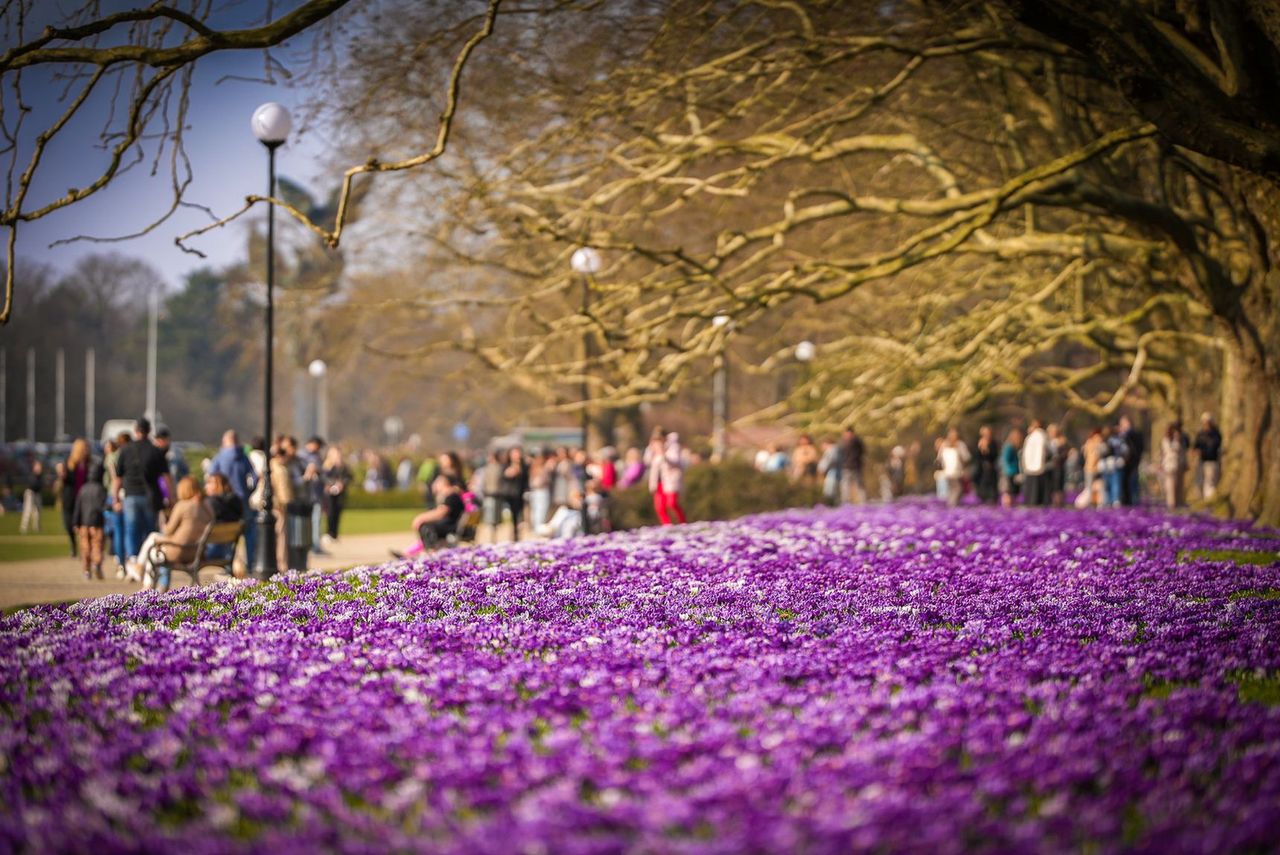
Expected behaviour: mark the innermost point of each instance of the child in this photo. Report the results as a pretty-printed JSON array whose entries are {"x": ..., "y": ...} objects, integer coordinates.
[{"x": 89, "y": 521}]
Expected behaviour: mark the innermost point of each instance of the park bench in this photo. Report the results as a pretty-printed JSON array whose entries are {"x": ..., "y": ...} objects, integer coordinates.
[
  {"x": 215, "y": 534},
  {"x": 465, "y": 532}
]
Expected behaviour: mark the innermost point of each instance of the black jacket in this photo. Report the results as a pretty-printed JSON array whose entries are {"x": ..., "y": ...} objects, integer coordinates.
[{"x": 91, "y": 501}]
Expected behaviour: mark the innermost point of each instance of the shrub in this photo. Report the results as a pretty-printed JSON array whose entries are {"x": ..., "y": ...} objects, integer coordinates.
[{"x": 716, "y": 492}]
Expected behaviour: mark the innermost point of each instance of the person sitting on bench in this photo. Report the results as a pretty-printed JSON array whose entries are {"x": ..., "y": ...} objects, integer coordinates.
[
  {"x": 182, "y": 532},
  {"x": 435, "y": 526}
]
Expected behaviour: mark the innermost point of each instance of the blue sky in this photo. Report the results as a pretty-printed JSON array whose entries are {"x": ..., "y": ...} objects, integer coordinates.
[{"x": 227, "y": 161}]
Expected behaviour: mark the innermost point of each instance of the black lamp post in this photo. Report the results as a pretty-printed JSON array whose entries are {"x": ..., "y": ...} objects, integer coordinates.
[
  {"x": 586, "y": 261},
  {"x": 271, "y": 124}
]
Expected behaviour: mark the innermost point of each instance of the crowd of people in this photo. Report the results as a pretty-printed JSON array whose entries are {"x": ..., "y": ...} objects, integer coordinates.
[
  {"x": 141, "y": 505},
  {"x": 1035, "y": 465},
  {"x": 552, "y": 493}
]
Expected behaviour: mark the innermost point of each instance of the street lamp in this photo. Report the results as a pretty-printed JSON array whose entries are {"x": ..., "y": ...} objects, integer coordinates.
[
  {"x": 318, "y": 371},
  {"x": 271, "y": 124},
  {"x": 587, "y": 262},
  {"x": 720, "y": 397}
]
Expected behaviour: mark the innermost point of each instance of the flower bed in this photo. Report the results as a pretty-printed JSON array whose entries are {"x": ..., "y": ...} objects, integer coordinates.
[{"x": 894, "y": 678}]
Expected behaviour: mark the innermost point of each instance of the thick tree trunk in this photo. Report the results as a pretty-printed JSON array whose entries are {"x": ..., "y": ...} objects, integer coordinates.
[
  {"x": 1250, "y": 417},
  {"x": 1247, "y": 309}
]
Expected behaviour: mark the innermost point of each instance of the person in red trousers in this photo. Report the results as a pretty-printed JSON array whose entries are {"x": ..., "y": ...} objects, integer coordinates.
[{"x": 666, "y": 476}]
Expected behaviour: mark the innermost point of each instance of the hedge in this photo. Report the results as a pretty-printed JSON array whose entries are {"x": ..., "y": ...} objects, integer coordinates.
[{"x": 716, "y": 492}]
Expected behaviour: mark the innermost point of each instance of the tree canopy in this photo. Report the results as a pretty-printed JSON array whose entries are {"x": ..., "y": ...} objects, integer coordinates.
[{"x": 961, "y": 203}]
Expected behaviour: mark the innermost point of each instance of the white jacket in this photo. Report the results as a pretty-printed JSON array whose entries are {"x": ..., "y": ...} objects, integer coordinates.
[{"x": 1035, "y": 452}]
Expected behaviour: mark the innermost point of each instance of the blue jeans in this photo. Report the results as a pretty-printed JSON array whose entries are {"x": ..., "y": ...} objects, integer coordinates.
[
  {"x": 316, "y": 528},
  {"x": 1111, "y": 487},
  {"x": 139, "y": 521},
  {"x": 114, "y": 524},
  {"x": 250, "y": 537}
]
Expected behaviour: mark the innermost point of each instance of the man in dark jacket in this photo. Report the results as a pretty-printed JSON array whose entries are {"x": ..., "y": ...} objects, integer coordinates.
[
  {"x": 140, "y": 486},
  {"x": 1130, "y": 487},
  {"x": 1208, "y": 446},
  {"x": 852, "y": 452}
]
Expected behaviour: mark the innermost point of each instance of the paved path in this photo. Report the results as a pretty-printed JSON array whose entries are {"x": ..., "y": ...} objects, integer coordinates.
[{"x": 54, "y": 580}]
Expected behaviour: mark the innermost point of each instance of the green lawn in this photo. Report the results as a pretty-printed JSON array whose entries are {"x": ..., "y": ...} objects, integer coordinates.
[
  {"x": 1239, "y": 556},
  {"x": 51, "y": 543},
  {"x": 382, "y": 521}
]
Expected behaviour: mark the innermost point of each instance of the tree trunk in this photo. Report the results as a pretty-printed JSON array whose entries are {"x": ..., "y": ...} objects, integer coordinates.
[
  {"x": 1250, "y": 417},
  {"x": 1247, "y": 311}
]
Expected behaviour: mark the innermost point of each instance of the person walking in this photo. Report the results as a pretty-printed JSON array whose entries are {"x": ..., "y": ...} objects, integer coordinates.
[
  {"x": 288, "y": 491},
  {"x": 1035, "y": 463},
  {"x": 1208, "y": 446},
  {"x": 829, "y": 470},
  {"x": 954, "y": 457},
  {"x": 897, "y": 472},
  {"x": 1010, "y": 468},
  {"x": 89, "y": 521},
  {"x": 666, "y": 476},
  {"x": 804, "y": 461},
  {"x": 490, "y": 479},
  {"x": 114, "y": 521},
  {"x": 515, "y": 483},
  {"x": 986, "y": 468},
  {"x": 142, "y": 481},
  {"x": 1130, "y": 487},
  {"x": 32, "y": 499},
  {"x": 540, "y": 475},
  {"x": 1093, "y": 450},
  {"x": 310, "y": 456},
  {"x": 1113, "y": 466},
  {"x": 337, "y": 478},
  {"x": 1057, "y": 448},
  {"x": 1173, "y": 465},
  {"x": 633, "y": 470},
  {"x": 852, "y": 453},
  {"x": 75, "y": 473}
]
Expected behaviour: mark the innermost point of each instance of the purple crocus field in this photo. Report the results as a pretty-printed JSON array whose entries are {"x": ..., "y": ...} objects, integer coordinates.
[{"x": 896, "y": 678}]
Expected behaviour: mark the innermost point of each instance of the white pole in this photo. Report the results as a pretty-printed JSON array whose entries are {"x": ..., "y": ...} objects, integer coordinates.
[
  {"x": 90, "y": 370},
  {"x": 31, "y": 394},
  {"x": 151, "y": 356},
  {"x": 60, "y": 394}
]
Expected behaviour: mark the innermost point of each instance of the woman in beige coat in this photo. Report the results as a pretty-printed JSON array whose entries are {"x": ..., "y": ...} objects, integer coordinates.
[{"x": 185, "y": 525}]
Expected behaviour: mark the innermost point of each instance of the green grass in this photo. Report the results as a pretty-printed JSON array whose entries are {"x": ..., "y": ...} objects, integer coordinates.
[
  {"x": 50, "y": 543},
  {"x": 33, "y": 548},
  {"x": 1239, "y": 556},
  {"x": 1255, "y": 594},
  {"x": 381, "y": 521},
  {"x": 1259, "y": 689}
]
